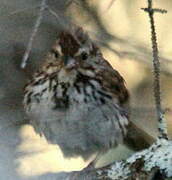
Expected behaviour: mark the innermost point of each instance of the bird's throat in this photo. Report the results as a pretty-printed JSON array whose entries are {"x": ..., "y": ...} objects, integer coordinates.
[{"x": 67, "y": 76}]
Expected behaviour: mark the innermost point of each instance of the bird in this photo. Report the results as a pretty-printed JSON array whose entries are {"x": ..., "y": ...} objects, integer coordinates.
[{"x": 76, "y": 99}]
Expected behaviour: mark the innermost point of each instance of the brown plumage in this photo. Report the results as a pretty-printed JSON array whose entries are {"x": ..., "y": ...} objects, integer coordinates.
[{"x": 77, "y": 100}]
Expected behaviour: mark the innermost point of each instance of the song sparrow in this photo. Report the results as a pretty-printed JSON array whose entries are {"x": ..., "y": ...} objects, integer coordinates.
[{"x": 77, "y": 100}]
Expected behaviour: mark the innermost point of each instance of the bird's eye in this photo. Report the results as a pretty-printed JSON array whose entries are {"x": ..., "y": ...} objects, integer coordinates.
[
  {"x": 84, "y": 56},
  {"x": 55, "y": 53}
]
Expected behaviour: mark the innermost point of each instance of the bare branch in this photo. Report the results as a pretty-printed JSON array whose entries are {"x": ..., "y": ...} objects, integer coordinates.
[
  {"x": 141, "y": 164},
  {"x": 19, "y": 11},
  {"x": 35, "y": 29},
  {"x": 144, "y": 165},
  {"x": 52, "y": 12},
  {"x": 110, "y": 4},
  {"x": 156, "y": 68}
]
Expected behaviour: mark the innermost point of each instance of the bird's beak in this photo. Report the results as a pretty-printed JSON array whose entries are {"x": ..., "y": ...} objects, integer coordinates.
[{"x": 69, "y": 62}]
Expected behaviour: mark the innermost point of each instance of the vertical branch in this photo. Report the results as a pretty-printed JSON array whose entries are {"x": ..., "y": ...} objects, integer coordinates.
[
  {"x": 35, "y": 29},
  {"x": 156, "y": 68}
]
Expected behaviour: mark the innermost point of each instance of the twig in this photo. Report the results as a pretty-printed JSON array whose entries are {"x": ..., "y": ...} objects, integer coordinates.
[
  {"x": 110, "y": 4},
  {"x": 52, "y": 12},
  {"x": 19, "y": 11},
  {"x": 156, "y": 68},
  {"x": 35, "y": 29},
  {"x": 64, "y": 22}
]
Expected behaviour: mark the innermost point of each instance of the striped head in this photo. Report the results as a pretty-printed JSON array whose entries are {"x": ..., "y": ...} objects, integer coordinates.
[{"x": 75, "y": 50}]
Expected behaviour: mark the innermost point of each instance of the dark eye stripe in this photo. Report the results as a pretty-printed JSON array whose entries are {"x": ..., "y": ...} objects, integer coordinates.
[{"x": 55, "y": 53}]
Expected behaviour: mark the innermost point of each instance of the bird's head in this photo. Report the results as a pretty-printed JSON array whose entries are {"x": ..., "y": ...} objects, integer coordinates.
[{"x": 75, "y": 50}]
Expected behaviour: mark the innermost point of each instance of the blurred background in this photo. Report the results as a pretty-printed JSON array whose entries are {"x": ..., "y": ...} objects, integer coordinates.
[{"x": 122, "y": 30}]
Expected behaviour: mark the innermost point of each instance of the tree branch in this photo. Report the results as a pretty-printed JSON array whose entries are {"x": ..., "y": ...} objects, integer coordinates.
[
  {"x": 156, "y": 68},
  {"x": 35, "y": 29},
  {"x": 156, "y": 161}
]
